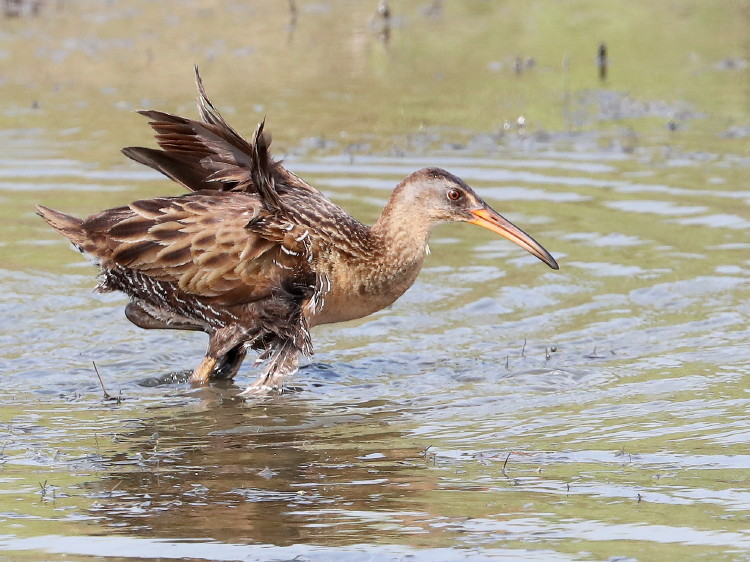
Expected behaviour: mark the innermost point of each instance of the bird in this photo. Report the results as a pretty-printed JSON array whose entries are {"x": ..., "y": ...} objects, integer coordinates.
[{"x": 253, "y": 255}]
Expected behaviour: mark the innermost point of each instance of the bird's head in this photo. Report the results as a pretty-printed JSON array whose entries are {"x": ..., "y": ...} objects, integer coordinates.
[{"x": 443, "y": 197}]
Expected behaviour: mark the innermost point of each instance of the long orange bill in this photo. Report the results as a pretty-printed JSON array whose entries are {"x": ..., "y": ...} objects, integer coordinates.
[{"x": 491, "y": 220}]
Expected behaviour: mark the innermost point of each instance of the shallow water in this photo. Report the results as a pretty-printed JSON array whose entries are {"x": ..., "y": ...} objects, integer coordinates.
[{"x": 499, "y": 409}]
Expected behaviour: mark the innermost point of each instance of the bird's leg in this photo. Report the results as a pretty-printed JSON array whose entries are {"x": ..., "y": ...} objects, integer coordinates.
[
  {"x": 229, "y": 364},
  {"x": 220, "y": 343},
  {"x": 222, "y": 367},
  {"x": 203, "y": 372}
]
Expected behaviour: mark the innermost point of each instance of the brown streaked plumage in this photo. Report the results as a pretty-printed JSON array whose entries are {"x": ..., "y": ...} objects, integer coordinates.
[{"x": 255, "y": 256}]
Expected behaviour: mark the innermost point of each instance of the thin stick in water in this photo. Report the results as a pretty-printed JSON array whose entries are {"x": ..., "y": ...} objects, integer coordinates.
[{"x": 107, "y": 395}]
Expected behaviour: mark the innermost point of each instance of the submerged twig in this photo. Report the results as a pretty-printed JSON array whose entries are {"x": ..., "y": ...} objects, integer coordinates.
[
  {"x": 47, "y": 491},
  {"x": 292, "y": 25},
  {"x": 523, "y": 349},
  {"x": 425, "y": 455},
  {"x": 506, "y": 463},
  {"x": 107, "y": 395},
  {"x": 602, "y": 62}
]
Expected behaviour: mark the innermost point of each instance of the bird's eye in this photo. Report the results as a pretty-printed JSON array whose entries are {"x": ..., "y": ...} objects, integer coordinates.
[{"x": 454, "y": 194}]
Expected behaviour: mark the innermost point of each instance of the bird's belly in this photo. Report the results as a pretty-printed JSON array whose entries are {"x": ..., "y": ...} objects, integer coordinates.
[
  {"x": 338, "y": 309},
  {"x": 349, "y": 299}
]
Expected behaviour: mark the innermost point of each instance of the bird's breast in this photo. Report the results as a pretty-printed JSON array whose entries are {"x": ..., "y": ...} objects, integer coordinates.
[{"x": 366, "y": 286}]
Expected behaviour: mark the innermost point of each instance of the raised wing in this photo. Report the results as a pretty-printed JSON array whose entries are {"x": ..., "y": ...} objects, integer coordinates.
[
  {"x": 228, "y": 248},
  {"x": 211, "y": 155}
]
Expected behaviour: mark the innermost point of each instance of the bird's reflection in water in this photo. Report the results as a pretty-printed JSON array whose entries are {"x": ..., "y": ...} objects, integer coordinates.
[{"x": 280, "y": 470}]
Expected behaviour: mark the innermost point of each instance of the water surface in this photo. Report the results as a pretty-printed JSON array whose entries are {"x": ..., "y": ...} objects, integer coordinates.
[{"x": 499, "y": 409}]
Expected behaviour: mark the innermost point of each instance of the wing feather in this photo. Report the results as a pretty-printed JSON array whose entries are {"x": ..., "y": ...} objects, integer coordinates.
[
  {"x": 211, "y": 155},
  {"x": 211, "y": 245}
]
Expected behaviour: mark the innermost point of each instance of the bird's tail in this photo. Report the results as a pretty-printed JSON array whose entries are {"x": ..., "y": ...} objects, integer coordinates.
[{"x": 67, "y": 225}]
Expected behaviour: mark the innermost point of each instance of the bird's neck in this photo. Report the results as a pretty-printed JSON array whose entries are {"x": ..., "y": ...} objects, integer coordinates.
[
  {"x": 402, "y": 229},
  {"x": 402, "y": 233}
]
